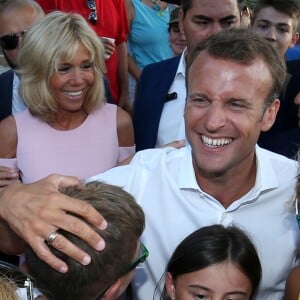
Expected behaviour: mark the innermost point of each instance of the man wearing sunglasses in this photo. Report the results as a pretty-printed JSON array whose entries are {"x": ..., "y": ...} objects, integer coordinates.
[
  {"x": 16, "y": 16},
  {"x": 111, "y": 270}
]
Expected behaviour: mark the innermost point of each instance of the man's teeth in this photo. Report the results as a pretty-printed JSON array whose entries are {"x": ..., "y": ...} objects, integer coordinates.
[
  {"x": 215, "y": 142},
  {"x": 74, "y": 94}
]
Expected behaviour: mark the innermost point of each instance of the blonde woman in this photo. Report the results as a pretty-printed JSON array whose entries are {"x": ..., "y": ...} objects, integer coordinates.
[{"x": 68, "y": 128}]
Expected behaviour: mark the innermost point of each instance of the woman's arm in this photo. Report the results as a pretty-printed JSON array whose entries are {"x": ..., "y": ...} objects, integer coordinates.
[
  {"x": 8, "y": 147},
  {"x": 8, "y": 138},
  {"x": 292, "y": 287},
  {"x": 33, "y": 211},
  {"x": 124, "y": 129}
]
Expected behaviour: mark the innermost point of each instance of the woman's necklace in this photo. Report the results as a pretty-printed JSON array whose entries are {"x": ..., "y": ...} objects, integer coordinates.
[
  {"x": 157, "y": 7},
  {"x": 156, "y": 4}
]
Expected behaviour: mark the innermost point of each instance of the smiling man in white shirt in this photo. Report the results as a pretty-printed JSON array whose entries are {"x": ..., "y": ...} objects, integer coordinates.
[{"x": 221, "y": 177}]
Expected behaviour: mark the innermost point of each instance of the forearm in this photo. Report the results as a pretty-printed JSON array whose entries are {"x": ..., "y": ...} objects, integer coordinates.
[
  {"x": 123, "y": 69},
  {"x": 133, "y": 68},
  {"x": 11, "y": 243}
]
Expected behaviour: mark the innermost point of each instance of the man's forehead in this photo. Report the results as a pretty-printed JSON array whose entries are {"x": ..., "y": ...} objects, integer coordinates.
[
  {"x": 216, "y": 5},
  {"x": 205, "y": 60}
]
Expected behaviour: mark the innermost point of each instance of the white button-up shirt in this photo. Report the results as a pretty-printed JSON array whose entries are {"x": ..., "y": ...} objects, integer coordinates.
[{"x": 164, "y": 184}]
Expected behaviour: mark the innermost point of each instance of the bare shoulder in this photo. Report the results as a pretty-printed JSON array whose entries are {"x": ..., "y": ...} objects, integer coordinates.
[
  {"x": 8, "y": 137},
  {"x": 292, "y": 288},
  {"x": 125, "y": 128}
]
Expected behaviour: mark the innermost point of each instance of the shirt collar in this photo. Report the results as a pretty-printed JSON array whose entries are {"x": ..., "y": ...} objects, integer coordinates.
[
  {"x": 182, "y": 65},
  {"x": 266, "y": 178}
]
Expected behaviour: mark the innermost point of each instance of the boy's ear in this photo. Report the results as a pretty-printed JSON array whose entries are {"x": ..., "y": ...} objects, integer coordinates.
[
  {"x": 113, "y": 292},
  {"x": 295, "y": 39}
]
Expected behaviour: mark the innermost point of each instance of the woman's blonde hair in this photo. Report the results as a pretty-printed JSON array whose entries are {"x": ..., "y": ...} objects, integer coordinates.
[
  {"x": 45, "y": 45},
  {"x": 7, "y": 289}
]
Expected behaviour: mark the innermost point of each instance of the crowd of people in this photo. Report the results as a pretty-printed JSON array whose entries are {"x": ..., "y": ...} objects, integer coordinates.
[{"x": 149, "y": 150}]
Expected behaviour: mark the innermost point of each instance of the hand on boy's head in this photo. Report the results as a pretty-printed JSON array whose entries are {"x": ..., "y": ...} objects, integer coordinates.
[{"x": 41, "y": 210}]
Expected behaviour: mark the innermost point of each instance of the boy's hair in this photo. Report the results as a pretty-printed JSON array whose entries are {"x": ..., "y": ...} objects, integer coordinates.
[
  {"x": 288, "y": 7},
  {"x": 125, "y": 220}
]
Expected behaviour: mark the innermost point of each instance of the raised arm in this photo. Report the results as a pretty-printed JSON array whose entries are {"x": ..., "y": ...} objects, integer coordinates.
[{"x": 36, "y": 210}]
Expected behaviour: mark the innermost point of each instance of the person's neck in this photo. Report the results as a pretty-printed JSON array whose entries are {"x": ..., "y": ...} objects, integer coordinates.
[
  {"x": 230, "y": 186},
  {"x": 68, "y": 121}
]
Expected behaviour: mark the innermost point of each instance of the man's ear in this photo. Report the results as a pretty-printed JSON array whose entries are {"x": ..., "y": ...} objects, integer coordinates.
[
  {"x": 170, "y": 286},
  {"x": 113, "y": 292},
  {"x": 269, "y": 116},
  {"x": 294, "y": 40}
]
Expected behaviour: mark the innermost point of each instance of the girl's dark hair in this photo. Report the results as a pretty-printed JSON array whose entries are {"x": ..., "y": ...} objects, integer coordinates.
[{"x": 212, "y": 245}]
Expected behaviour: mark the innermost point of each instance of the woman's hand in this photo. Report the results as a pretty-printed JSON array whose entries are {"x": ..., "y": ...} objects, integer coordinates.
[{"x": 109, "y": 46}]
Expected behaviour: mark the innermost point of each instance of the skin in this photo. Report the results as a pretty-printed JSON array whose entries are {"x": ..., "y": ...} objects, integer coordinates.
[
  {"x": 15, "y": 21},
  {"x": 292, "y": 288},
  {"x": 276, "y": 27},
  {"x": 124, "y": 100},
  {"x": 76, "y": 76},
  {"x": 246, "y": 17},
  {"x": 225, "y": 102},
  {"x": 207, "y": 17},
  {"x": 43, "y": 213},
  {"x": 222, "y": 281},
  {"x": 177, "y": 39}
]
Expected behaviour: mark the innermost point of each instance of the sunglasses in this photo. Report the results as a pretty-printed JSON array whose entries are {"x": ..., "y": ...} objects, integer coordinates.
[
  {"x": 93, "y": 17},
  {"x": 143, "y": 254},
  {"x": 11, "y": 41},
  {"x": 19, "y": 278}
]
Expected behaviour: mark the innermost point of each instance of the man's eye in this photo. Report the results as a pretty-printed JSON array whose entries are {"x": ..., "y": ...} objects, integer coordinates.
[
  {"x": 228, "y": 23},
  {"x": 237, "y": 105},
  {"x": 200, "y": 101},
  {"x": 201, "y": 297},
  {"x": 201, "y": 22}
]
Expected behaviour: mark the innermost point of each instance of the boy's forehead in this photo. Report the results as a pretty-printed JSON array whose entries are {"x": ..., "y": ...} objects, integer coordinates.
[{"x": 274, "y": 16}]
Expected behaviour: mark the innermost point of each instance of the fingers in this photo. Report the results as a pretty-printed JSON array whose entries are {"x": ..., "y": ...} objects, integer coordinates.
[
  {"x": 8, "y": 176},
  {"x": 109, "y": 46},
  {"x": 44, "y": 253},
  {"x": 60, "y": 218},
  {"x": 35, "y": 210}
]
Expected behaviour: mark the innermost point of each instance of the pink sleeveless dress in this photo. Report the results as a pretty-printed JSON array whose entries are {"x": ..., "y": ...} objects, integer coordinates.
[{"x": 85, "y": 151}]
